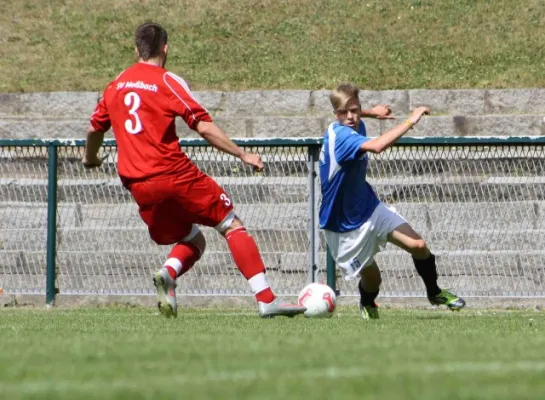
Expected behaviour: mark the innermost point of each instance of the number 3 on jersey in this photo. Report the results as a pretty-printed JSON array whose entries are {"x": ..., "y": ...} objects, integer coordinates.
[
  {"x": 132, "y": 100},
  {"x": 225, "y": 199}
]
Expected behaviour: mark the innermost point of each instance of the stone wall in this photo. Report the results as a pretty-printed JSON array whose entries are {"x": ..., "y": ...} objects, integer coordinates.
[{"x": 295, "y": 113}]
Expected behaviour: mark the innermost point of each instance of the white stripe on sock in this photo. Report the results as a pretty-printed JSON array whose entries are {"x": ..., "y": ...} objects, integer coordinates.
[
  {"x": 175, "y": 264},
  {"x": 258, "y": 283}
]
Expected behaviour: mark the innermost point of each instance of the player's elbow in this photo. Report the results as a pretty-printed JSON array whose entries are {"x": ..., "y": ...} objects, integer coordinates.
[
  {"x": 92, "y": 131},
  {"x": 204, "y": 128},
  {"x": 205, "y": 135},
  {"x": 372, "y": 146},
  {"x": 209, "y": 131}
]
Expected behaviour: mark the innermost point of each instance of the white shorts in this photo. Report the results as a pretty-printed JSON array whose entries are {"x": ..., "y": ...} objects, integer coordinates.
[{"x": 356, "y": 249}]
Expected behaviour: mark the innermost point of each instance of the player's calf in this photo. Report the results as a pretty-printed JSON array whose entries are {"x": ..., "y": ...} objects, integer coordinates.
[
  {"x": 369, "y": 286},
  {"x": 427, "y": 269},
  {"x": 248, "y": 260}
]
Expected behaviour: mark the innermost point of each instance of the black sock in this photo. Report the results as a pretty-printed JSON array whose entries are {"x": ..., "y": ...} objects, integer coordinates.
[
  {"x": 428, "y": 272},
  {"x": 367, "y": 298}
]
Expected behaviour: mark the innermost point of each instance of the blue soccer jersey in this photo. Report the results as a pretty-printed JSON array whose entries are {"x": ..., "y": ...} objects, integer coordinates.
[{"x": 347, "y": 199}]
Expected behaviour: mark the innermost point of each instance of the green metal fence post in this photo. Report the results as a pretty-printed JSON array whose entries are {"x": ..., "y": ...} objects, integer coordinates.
[
  {"x": 313, "y": 153},
  {"x": 50, "y": 289},
  {"x": 331, "y": 272}
]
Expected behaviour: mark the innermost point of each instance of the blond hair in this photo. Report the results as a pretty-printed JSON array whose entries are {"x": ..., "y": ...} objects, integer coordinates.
[{"x": 342, "y": 94}]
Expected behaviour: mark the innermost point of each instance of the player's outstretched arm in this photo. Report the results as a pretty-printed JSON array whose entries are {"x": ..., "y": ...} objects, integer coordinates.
[
  {"x": 92, "y": 145},
  {"x": 382, "y": 111},
  {"x": 214, "y": 135},
  {"x": 381, "y": 143}
]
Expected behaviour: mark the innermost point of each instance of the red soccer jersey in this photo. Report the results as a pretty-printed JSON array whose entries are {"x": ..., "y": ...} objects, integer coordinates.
[{"x": 141, "y": 105}]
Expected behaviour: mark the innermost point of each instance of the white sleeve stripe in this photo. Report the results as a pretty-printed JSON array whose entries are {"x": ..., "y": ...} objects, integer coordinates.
[
  {"x": 334, "y": 166},
  {"x": 183, "y": 84},
  {"x": 178, "y": 96}
]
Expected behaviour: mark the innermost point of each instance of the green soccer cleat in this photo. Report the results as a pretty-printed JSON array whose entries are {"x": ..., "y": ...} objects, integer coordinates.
[
  {"x": 369, "y": 312},
  {"x": 166, "y": 294},
  {"x": 452, "y": 301}
]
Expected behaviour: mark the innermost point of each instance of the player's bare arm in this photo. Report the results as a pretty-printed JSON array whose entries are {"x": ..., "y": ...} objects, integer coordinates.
[
  {"x": 92, "y": 146},
  {"x": 381, "y": 143},
  {"x": 381, "y": 111},
  {"x": 214, "y": 135}
]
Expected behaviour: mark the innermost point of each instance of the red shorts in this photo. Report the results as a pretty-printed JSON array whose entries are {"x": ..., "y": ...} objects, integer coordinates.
[{"x": 171, "y": 205}]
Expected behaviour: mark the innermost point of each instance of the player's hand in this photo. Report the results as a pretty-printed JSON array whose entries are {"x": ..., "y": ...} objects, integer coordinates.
[
  {"x": 91, "y": 162},
  {"x": 417, "y": 114},
  {"x": 382, "y": 111},
  {"x": 254, "y": 160}
]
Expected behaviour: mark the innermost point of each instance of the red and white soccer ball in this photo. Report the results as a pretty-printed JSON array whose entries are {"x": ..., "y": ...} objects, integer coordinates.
[{"x": 319, "y": 299}]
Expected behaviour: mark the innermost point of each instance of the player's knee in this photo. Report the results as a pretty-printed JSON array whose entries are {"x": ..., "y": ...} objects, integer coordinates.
[
  {"x": 199, "y": 241},
  {"x": 419, "y": 248},
  {"x": 235, "y": 224}
]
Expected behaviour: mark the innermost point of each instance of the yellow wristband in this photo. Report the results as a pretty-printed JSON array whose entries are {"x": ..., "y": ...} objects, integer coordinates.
[{"x": 409, "y": 123}]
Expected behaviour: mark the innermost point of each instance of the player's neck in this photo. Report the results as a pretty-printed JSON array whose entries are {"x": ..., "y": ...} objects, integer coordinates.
[{"x": 158, "y": 62}]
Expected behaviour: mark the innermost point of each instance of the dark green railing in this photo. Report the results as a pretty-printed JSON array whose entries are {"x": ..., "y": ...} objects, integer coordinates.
[{"x": 313, "y": 145}]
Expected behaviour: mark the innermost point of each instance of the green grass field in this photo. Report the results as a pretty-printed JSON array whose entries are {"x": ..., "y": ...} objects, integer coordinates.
[
  {"x": 73, "y": 45},
  {"x": 132, "y": 353}
]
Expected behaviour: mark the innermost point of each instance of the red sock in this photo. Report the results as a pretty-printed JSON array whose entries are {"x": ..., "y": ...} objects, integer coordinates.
[
  {"x": 248, "y": 260},
  {"x": 171, "y": 271},
  {"x": 186, "y": 254}
]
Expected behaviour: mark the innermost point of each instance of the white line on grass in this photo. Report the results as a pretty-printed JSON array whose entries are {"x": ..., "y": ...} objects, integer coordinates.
[{"x": 462, "y": 367}]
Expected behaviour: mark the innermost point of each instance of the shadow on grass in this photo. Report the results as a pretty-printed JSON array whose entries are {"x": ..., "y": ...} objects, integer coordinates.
[{"x": 427, "y": 317}]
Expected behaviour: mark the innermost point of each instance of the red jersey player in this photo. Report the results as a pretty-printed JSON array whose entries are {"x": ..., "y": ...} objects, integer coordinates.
[{"x": 173, "y": 195}]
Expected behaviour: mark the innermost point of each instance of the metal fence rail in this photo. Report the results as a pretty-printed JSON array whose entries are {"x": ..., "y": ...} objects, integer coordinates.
[{"x": 478, "y": 202}]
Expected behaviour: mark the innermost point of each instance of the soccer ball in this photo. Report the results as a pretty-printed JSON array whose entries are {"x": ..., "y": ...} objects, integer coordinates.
[{"x": 319, "y": 299}]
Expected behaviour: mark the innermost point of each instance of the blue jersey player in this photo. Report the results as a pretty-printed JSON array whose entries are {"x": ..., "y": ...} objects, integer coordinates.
[{"x": 356, "y": 223}]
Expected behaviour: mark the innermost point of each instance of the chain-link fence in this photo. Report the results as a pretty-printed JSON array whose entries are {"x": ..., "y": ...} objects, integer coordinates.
[
  {"x": 479, "y": 206},
  {"x": 479, "y": 203},
  {"x": 23, "y": 218}
]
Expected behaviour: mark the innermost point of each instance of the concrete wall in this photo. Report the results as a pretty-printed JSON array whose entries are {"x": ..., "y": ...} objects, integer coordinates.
[{"x": 295, "y": 113}]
